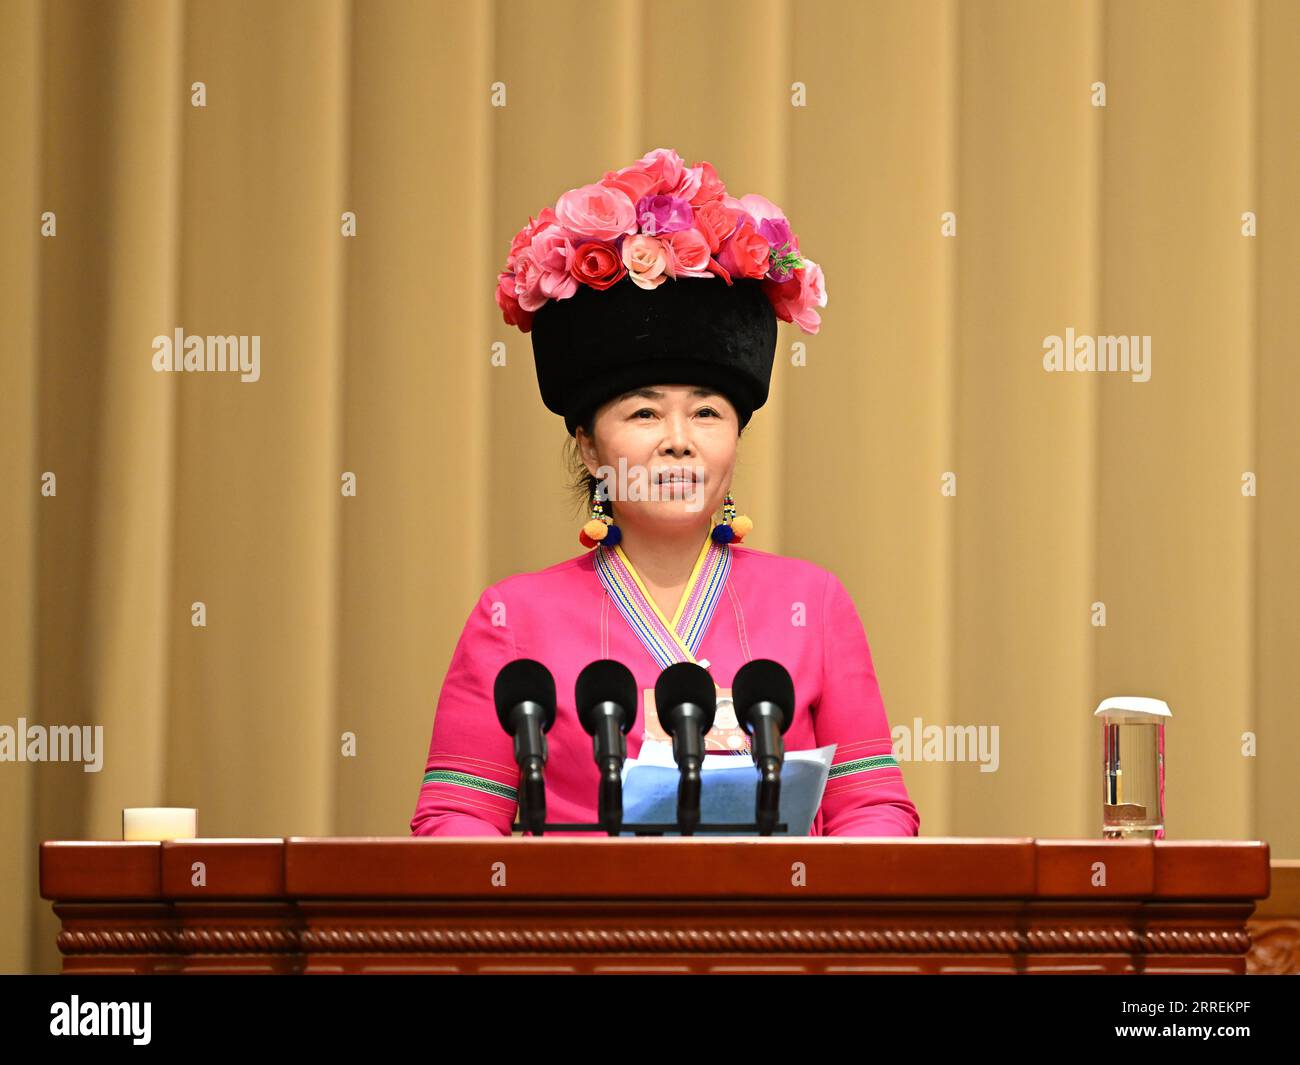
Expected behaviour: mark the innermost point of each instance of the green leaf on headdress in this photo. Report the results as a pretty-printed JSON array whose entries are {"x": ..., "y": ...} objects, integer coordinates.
[{"x": 788, "y": 260}]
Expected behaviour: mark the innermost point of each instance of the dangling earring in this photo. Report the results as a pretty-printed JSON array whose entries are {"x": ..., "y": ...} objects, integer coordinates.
[
  {"x": 600, "y": 529},
  {"x": 733, "y": 529}
]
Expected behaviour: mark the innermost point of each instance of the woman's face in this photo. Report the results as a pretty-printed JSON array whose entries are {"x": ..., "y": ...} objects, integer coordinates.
[{"x": 670, "y": 452}]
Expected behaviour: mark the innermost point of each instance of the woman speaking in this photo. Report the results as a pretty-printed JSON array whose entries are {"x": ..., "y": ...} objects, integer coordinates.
[{"x": 652, "y": 298}]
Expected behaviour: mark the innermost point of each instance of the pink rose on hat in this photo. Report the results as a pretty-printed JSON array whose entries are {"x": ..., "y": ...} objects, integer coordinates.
[
  {"x": 646, "y": 260},
  {"x": 795, "y": 300},
  {"x": 596, "y": 211}
]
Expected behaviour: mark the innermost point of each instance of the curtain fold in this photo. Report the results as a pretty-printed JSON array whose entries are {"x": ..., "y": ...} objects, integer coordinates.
[{"x": 21, "y": 75}]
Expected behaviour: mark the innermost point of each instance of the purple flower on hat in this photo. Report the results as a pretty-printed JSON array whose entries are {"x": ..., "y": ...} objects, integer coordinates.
[
  {"x": 785, "y": 248},
  {"x": 661, "y": 214}
]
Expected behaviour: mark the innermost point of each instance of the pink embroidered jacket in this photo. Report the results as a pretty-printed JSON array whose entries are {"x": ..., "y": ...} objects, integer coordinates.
[{"x": 741, "y": 603}]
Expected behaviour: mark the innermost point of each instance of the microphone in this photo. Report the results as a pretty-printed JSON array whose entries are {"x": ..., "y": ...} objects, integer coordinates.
[
  {"x": 605, "y": 696},
  {"x": 764, "y": 696},
  {"x": 525, "y": 699},
  {"x": 687, "y": 701}
]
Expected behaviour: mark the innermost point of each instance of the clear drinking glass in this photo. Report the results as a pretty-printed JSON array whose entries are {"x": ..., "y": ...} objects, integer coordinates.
[{"x": 1133, "y": 767}]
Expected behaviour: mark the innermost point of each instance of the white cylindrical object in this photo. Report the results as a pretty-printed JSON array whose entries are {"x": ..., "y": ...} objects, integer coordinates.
[{"x": 159, "y": 823}]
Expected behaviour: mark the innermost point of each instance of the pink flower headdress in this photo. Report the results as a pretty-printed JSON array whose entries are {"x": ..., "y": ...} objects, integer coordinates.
[{"x": 656, "y": 220}]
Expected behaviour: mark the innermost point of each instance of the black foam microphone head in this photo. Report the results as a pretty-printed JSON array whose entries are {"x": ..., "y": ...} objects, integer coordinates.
[
  {"x": 760, "y": 680},
  {"x": 524, "y": 680},
  {"x": 685, "y": 682},
  {"x": 605, "y": 681}
]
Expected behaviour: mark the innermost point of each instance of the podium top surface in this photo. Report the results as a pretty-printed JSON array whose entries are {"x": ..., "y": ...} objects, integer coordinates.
[{"x": 658, "y": 868}]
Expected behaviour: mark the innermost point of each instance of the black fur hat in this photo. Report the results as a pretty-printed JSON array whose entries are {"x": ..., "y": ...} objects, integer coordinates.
[{"x": 598, "y": 344}]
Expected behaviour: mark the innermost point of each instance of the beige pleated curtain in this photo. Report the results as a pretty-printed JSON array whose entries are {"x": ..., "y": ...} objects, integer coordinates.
[{"x": 951, "y": 167}]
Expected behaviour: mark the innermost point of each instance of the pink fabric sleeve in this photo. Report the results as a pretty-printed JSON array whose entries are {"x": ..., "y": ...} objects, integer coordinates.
[
  {"x": 471, "y": 776},
  {"x": 865, "y": 795}
]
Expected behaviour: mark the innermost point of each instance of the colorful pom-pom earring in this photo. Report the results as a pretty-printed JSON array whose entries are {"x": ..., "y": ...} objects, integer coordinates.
[
  {"x": 733, "y": 529},
  {"x": 600, "y": 529}
]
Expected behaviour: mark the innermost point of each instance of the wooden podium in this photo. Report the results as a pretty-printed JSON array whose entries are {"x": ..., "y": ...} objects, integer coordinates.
[{"x": 654, "y": 905}]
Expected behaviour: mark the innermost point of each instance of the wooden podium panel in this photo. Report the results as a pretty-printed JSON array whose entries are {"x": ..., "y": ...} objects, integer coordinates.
[
  {"x": 1275, "y": 925},
  {"x": 522, "y": 904}
]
